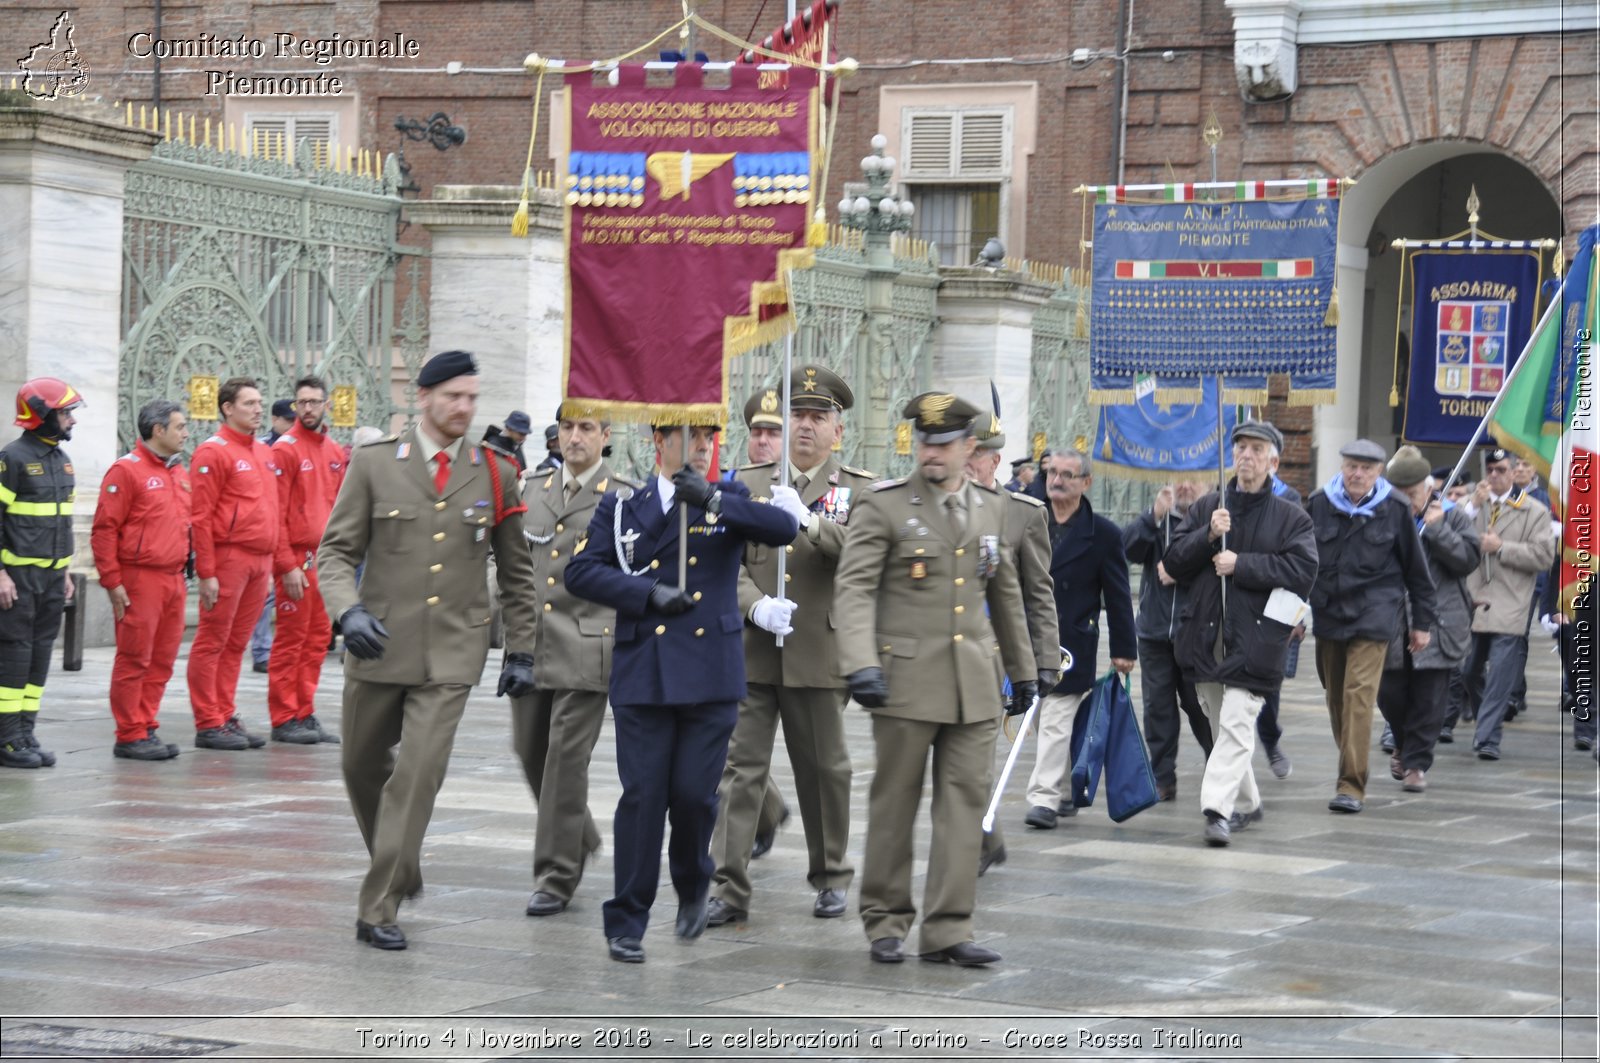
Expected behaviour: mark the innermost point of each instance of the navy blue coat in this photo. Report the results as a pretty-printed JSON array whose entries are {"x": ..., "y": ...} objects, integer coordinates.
[
  {"x": 1088, "y": 568},
  {"x": 697, "y": 656}
]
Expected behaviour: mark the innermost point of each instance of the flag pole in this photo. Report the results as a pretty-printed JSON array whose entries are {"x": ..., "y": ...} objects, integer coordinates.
[
  {"x": 1222, "y": 500},
  {"x": 1483, "y": 425},
  {"x": 788, "y": 368},
  {"x": 683, "y": 523}
]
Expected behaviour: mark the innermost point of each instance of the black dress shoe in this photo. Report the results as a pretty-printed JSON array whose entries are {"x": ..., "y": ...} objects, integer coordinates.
[
  {"x": 1041, "y": 817},
  {"x": 1166, "y": 791},
  {"x": 991, "y": 858},
  {"x": 765, "y": 838},
  {"x": 888, "y": 950},
  {"x": 720, "y": 913},
  {"x": 1344, "y": 803},
  {"x": 692, "y": 918},
  {"x": 965, "y": 954},
  {"x": 382, "y": 936},
  {"x": 625, "y": 950},
  {"x": 830, "y": 904},
  {"x": 1065, "y": 808},
  {"x": 543, "y": 903}
]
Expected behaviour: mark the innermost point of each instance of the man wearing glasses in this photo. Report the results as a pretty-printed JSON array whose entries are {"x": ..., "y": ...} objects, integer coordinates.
[{"x": 310, "y": 469}]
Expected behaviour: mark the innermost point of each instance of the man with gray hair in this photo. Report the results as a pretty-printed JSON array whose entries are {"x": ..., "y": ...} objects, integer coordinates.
[
  {"x": 141, "y": 545},
  {"x": 1373, "y": 574}
]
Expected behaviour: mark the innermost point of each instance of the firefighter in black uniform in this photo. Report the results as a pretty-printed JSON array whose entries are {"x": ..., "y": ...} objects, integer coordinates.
[{"x": 36, "y": 491}]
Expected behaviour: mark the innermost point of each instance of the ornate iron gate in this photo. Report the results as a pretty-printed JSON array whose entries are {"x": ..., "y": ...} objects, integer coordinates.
[{"x": 235, "y": 265}]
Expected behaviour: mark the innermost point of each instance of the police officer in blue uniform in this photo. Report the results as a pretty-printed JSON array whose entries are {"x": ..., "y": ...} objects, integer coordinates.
[{"x": 677, "y": 673}]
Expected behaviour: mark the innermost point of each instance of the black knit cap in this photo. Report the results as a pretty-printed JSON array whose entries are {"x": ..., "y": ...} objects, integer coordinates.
[{"x": 446, "y": 366}]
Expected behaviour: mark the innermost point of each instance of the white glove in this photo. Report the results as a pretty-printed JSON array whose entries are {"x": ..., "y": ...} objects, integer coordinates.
[
  {"x": 772, "y": 614},
  {"x": 788, "y": 500},
  {"x": 1549, "y": 624}
]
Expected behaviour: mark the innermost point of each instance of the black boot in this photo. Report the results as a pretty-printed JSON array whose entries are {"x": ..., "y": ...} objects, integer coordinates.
[
  {"x": 14, "y": 751},
  {"x": 47, "y": 759}
]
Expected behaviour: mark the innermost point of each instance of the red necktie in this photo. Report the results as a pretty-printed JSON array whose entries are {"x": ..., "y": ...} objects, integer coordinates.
[{"x": 441, "y": 475}]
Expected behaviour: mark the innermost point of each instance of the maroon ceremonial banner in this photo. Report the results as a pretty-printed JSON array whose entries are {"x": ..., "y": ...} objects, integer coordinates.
[{"x": 686, "y": 206}]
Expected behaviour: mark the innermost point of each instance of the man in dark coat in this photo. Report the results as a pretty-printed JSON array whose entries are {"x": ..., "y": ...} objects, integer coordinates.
[
  {"x": 1371, "y": 563},
  {"x": 677, "y": 673},
  {"x": 1088, "y": 569},
  {"x": 1162, "y": 683},
  {"x": 1227, "y": 643}
]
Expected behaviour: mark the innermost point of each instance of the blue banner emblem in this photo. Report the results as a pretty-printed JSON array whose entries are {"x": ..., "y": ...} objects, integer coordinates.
[
  {"x": 1471, "y": 315},
  {"x": 1153, "y": 440}
]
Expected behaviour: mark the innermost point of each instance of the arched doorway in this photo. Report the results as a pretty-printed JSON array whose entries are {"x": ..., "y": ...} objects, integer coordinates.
[{"x": 1418, "y": 193}]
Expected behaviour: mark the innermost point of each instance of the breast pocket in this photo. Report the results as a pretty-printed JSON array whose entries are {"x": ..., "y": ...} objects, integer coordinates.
[
  {"x": 918, "y": 560},
  {"x": 596, "y": 638},
  {"x": 393, "y": 524},
  {"x": 1376, "y": 548},
  {"x": 478, "y": 525}
]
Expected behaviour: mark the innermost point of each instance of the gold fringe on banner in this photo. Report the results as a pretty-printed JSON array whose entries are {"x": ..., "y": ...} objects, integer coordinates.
[
  {"x": 1311, "y": 396},
  {"x": 1244, "y": 396},
  {"x": 700, "y": 414},
  {"x": 1331, "y": 319},
  {"x": 1120, "y": 397},
  {"x": 1081, "y": 322},
  {"x": 740, "y": 335},
  {"x": 1173, "y": 396},
  {"x": 1157, "y": 476}
]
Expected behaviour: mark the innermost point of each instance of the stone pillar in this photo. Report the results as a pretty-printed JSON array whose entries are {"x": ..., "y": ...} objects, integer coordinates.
[
  {"x": 499, "y": 296},
  {"x": 62, "y": 168},
  {"x": 1339, "y": 423},
  {"x": 986, "y": 333}
]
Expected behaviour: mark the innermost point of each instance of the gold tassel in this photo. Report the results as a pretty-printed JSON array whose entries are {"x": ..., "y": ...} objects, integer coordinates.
[
  {"x": 817, "y": 234},
  {"x": 1394, "y": 396},
  {"x": 1332, "y": 318},
  {"x": 1081, "y": 323}
]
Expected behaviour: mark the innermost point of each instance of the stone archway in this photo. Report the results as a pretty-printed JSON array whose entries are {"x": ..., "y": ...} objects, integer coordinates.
[{"x": 1418, "y": 192}]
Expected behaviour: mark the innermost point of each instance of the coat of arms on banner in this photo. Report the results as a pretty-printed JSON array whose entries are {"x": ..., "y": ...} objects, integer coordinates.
[{"x": 1472, "y": 341}]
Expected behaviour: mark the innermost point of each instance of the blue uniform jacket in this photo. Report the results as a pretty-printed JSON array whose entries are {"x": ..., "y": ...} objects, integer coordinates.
[
  {"x": 1088, "y": 568},
  {"x": 697, "y": 656}
]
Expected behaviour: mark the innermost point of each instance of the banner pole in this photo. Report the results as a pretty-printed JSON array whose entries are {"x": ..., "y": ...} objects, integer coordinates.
[
  {"x": 683, "y": 524},
  {"x": 1222, "y": 499},
  {"x": 788, "y": 367}
]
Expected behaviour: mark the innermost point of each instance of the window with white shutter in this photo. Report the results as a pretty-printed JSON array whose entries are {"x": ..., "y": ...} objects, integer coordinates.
[
  {"x": 276, "y": 136},
  {"x": 956, "y": 168}
]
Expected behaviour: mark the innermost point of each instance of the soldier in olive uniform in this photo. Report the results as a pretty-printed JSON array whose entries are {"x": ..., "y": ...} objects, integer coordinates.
[
  {"x": 424, "y": 510},
  {"x": 555, "y": 728},
  {"x": 922, "y": 560},
  {"x": 799, "y": 683},
  {"x": 1026, "y": 539}
]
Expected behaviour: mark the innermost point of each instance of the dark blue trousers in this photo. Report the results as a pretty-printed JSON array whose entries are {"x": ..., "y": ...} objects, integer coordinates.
[{"x": 670, "y": 759}]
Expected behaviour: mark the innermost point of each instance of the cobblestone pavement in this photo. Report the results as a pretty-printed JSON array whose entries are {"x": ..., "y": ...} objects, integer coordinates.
[{"x": 205, "y": 907}]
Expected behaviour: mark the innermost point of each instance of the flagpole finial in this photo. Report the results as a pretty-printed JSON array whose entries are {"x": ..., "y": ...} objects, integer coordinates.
[
  {"x": 1211, "y": 133},
  {"x": 1473, "y": 204}
]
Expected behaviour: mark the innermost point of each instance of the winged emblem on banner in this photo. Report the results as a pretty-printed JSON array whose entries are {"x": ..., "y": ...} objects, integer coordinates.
[{"x": 675, "y": 171}]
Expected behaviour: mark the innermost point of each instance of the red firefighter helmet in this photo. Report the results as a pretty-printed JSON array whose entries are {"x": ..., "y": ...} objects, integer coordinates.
[{"x": 39, "y": 396}]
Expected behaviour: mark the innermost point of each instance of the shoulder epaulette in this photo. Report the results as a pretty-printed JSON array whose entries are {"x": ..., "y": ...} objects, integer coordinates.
[
  {"x": 756, "y": 465},
  {"x": 991, "y": 490},
  {"x": 884, "y": 485},
  {"x": 623, "y": 481},
  {"x": 381, "y": 440},
  {"x": 1020, "y": 497},
  {"x": 853, "y": 471}
]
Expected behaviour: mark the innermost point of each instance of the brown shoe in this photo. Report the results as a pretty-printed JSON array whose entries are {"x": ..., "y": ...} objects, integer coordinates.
[
  {"x": 1415, "y": 781},
  {"x": 1396, "y": 769}
]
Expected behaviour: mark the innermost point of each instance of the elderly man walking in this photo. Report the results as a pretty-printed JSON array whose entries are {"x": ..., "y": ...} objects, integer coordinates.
[
  {"x": 1232, "y": 640},
  {"x": 1372, "y": 567}
]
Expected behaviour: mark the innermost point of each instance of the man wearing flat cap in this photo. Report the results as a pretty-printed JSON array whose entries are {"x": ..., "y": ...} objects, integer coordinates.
[
  {"x": 930, "y": 620},
  {"x": 508, "y": 440},
  {"x": 678, "y": 672},
  {"x": 797, "y": 684},
  {"x": 1373, "y": 578},
  {"x": 1415, "y": 687},
  {"x": 424, "y": 510},
  {"x": 1234, "y": 551}
]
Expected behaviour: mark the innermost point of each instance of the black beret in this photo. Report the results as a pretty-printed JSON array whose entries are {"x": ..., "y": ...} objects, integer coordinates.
[
  {"x": 517, "y": 421},
  {"x": 283, "y": 408},
  {"x": 446, "y": 366}
]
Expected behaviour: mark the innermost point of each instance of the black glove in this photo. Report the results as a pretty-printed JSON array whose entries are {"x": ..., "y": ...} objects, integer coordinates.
[
  {"x": 1047, "y": 682},
  {"x": 696, "y": 489},
  {"x": 1022, "y": 695},
  {"x": 363, "y": 633},
  {"x": 869, "y": 688},
  {"x": 665, "y": 598},
  {"x": 516, "y": 676}
]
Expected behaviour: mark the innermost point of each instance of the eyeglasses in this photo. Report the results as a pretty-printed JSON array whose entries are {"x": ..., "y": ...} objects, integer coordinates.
[
  {"x": 1067, "y": 475},
  {"x": 310, "y": 404}
]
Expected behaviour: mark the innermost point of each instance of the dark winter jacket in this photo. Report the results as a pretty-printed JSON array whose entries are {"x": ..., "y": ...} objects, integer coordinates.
[
  {"x": 1145, "y": 541},
  {"x": 1276, "y": 547},
  {"x": 1451, "y": 547},
  {"x": 1367, "y": 566}
]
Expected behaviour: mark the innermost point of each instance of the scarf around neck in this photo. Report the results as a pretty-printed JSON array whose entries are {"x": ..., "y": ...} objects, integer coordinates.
[{"x": 1335, "y": 491}]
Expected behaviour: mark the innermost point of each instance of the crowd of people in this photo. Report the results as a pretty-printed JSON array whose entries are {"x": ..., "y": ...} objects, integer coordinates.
[{"x": 708, "y": 612}]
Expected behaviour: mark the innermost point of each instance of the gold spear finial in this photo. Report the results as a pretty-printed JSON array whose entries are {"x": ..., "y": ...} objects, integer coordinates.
[
  {"x": 1473, "y": 203},
  {"x": 1211, "y": 133}
]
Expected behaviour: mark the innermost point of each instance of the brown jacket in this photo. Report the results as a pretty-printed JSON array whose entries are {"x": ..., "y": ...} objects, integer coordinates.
[
  {"x": 910, "y": 597},
  {"x": 427, "y": 561},
  {"x": 1027, "y": 536},
  {"x": 809, "y": 657}
]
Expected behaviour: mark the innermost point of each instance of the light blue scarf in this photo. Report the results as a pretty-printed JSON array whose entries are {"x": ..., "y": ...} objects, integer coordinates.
[{"x": 1335, "y": 491}]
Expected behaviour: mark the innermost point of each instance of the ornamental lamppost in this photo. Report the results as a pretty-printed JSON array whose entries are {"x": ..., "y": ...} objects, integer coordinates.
[{"x": 877, "y": 214}]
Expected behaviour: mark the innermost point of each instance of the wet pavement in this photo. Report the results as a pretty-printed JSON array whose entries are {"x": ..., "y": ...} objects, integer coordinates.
[{"x": 204, "y": 907}]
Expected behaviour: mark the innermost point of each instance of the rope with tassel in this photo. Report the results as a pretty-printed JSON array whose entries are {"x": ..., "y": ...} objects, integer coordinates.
[
  {"x": 1331, "y": 320},
  {"x": 519, "y": 220}
]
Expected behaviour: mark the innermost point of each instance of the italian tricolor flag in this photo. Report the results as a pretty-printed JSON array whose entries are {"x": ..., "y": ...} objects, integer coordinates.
[{"x": 1549, "y": 412}]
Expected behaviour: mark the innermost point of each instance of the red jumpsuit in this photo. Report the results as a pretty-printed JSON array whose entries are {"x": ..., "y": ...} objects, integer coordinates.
[
  {"x": 141, "y": 543},
  {"x": 236, "y": 529},
  {"x": 310, "y": 469}
]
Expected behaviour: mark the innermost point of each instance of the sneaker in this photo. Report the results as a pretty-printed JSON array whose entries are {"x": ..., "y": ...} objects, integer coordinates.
[
  {"x": 1387, "y": 741},
  {"x": 253, "y": 741},
  {"x": 1065, "y": 808},
  {"x": 1041, "y": 817},
  {"x": 296, "y": 732},
  {"x": 1279, "y": 762},
  {"x": 1240, "y": 820},
  {"x": 324, "y": 736},
  {"x": 146, "y": 748},
  {"x": 1216, "y": 829},
  {"x": 1488, "y": 752},
  {"x": 220, "y": 738},
  {"x": 258, "y": 667},
  {"x": 1583, "y": 744},
  {"x": 1446, "y": 736},
  {"x": 172, "y": 747}
]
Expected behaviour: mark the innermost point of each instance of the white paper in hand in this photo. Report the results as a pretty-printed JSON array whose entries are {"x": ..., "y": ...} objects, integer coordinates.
[{"x": 1286, "y": 607}]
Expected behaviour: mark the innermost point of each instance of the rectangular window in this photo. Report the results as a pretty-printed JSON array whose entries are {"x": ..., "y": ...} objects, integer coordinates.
[
  {"x": 957, "y": 165},
  {"x": 959, "y": 219},
  {"x": 278, "y": 136}
]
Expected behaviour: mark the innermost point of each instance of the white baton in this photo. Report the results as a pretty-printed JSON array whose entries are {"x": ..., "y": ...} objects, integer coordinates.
[{"x": 1011, "y": 762}]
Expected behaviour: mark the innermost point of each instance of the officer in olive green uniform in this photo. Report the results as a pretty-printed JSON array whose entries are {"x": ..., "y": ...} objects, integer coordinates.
[
  {"x": 424, "y": 510},
  {"x": 1027, "y": 539},
  {"x": 555, "y": 728},
  {"x": 798, "y": 684},
  {"x": 922, "y": 559}
]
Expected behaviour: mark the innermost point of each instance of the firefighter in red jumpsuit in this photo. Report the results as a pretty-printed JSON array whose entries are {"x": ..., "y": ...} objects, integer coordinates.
[
  {"x": 310, "y": 469},
  {"x": 236, "y": 529},
  {"x": 141, "y": 547}
]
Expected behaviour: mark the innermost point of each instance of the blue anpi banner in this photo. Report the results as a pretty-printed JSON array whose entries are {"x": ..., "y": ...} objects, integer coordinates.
[
  {"x": 1197, "y": 289},
  {"x": 1151, "y": 440},
  {"x": 1472, "y": 312}
]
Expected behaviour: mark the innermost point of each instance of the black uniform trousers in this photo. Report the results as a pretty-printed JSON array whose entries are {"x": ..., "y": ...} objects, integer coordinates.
[
  {"x": 1413, "y": 702},
  {"x": 670, "y": 760},
  {"x": 28, "y": 629},
  {"x": 1165, "y": 689}
]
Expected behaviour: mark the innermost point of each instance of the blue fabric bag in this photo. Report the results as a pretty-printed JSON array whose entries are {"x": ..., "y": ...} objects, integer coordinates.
[{"x": 1106, "y": 741}]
